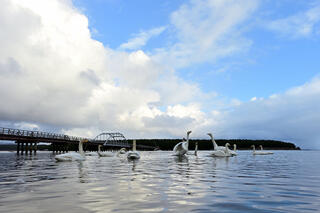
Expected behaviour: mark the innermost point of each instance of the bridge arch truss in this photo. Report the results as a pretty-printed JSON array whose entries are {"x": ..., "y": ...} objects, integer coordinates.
[{"x": 115, "y": 139}]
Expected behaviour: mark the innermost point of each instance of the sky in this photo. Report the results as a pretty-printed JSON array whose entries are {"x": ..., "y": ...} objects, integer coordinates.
[{"x": 156, "y": 69}]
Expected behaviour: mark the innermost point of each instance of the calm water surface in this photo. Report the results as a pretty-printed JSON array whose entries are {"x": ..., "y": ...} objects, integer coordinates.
[{"x": 288, "y": 181}]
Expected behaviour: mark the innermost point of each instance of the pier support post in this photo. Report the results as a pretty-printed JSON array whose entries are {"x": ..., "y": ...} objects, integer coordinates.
[
  {"x": 31, "y": 148},
  {"x": 27, "y": 148},
  {"x": 22, "y": 147},
  {"x": 35, "y": 148},
  {"x": 18, "y": 147}
]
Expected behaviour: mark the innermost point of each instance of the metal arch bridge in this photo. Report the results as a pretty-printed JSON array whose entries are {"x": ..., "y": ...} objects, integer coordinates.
[
  {"x": 116, "y": 140},
  {"x": 27, "y": 140},
  {"x": 111, "y": 139}
]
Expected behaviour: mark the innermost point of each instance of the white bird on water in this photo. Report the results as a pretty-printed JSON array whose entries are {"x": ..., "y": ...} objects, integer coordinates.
[
  {"x": 181, "y": 148},
  {"x": 222, "y": 148},
  {"x": 134, "y": 154},
  {"x": 260, "y": 152},
  {"x": 196, "y": 149},
  {"x": 110, "y": 154},
  {"x": 222, "y": 153},
  {"x": 104, "y": 154},
  {"x": 215, "y": 146},
  {"x": 234, "y": 151},
  {"x": 72, "y": 156}
]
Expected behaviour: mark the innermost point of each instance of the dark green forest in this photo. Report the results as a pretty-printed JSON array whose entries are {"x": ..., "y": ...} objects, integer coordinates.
[{"x": 168, "y": 144}]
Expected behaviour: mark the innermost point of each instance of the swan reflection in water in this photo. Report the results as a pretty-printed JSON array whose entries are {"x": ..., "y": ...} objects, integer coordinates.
[
  {"x": 181, "y": 159},
  {"x": 83, "y": 172}
]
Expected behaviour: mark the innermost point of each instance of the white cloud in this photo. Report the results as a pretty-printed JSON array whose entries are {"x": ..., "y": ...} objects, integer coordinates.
[
  {"x": 291, "y": 116},
  {"x": 53, "y": 73},
  {"x": 206, "y": 30},
  {"x": 253, "y": 99},
  {"x": 303, "y": 24},
  {"x": 141, "y": 39}
]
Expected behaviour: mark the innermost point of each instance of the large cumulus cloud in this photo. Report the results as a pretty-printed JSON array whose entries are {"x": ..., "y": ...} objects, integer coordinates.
[{"x": 53, "y": 75}]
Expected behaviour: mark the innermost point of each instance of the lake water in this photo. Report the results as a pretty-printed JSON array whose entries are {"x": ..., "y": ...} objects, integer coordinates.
[{"x": 288, "y": 181}]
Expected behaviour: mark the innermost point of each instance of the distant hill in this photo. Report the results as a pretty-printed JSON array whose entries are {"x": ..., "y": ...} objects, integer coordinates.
[{"x": 168, "y": 144}]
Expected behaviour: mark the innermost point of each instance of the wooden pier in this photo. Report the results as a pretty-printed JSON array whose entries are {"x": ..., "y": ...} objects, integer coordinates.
[{"x": 27, "y": 141}]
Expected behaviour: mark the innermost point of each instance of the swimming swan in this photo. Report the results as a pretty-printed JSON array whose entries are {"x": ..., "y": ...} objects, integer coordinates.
[
  {"x": 234, "y": 151},
  {"x": 196, "y": 149},
  {"x": 134, "y": 154},
  {"x": 222, "y": 153},
  {"x": 71, "y": 156},
  {"x": 215, "y": 146},
  {"x": 182, "y": 147},
  {"x": 104, "y": 154},
  {"x": 91, "y": 154},
  {"x": 220, "y": 148},
  {"x": 260, "y": 152}
]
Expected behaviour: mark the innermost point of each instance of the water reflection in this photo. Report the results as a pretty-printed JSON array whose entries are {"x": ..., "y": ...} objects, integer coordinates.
[
  {"x": 158, "y": 181},
  {"x": 83, "y": 173},
  {"x": 181, "y": 159}
]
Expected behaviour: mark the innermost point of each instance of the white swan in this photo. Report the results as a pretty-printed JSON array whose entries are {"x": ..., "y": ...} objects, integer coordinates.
[
  {"x": 215, "y": 146},
  {"x": 234, "y": 151},
  {"x": 122, "y": 151},
  {"x": 222, "y": 153},
  {"x": 133, "y": 154},
  {"x": 71, "y": 156},
  {"x": 196, "y": 149},
  {"x": 91, "y": 154},
  {"x": 260, "y": 152},
  {"x": 104, "y": 154},
  {"x": 182, "y": 147}
]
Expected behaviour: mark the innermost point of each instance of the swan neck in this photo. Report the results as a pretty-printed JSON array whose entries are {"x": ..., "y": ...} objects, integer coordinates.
[
  {"x": 234, "y": 147},
  {"x": 187, "y": 142},
  {"x": 214, "y": 143},
  {"x": 81, "y": 148},
  {"x": 134, "y": 145},
  {"x": 99, "y": 150},
  {"x": 196, "y": 150},
  {"x": 227, "y": 150}
]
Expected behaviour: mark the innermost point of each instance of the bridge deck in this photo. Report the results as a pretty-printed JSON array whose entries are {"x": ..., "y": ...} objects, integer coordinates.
[{"x": 25, "y": 137}]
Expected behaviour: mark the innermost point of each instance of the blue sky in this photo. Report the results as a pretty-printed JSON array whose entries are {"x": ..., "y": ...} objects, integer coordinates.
[
  {"x": 239, "y": 69},
  {"x": 273, "y": 63}
]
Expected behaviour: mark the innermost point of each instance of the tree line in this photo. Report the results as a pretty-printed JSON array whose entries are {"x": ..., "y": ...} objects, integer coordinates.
[{"x": 204, "y": 144}]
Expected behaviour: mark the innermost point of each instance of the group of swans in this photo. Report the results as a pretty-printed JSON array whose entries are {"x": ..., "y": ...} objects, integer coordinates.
[
  {"x": 222, "y": 151},
  {"x": 80, "y": 156},
  {"x": 260, "y": 152},
  {"x": 181, "y": 148}
]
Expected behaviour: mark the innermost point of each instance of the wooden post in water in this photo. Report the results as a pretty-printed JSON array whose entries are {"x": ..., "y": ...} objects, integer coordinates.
[
  {"x": 22, "y": 147},
  {"x": 27, "y": 148},
  {"x": 31, "y": 148},
  {"x": 18, "y": 147},
  {"x": 35, "y": 148}
]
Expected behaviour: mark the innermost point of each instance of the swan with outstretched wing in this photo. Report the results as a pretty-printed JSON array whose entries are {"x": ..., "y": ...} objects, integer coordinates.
[{"x": 182, "y": 147}]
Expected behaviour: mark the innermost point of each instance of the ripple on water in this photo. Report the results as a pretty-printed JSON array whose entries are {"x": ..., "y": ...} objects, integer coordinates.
[{"x": 160, "y": 182}]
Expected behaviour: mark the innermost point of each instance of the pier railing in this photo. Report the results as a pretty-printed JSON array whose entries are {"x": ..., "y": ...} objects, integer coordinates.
[
  {"x": 29, "y": 139},
  {"x": 18, "y": 133}
]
